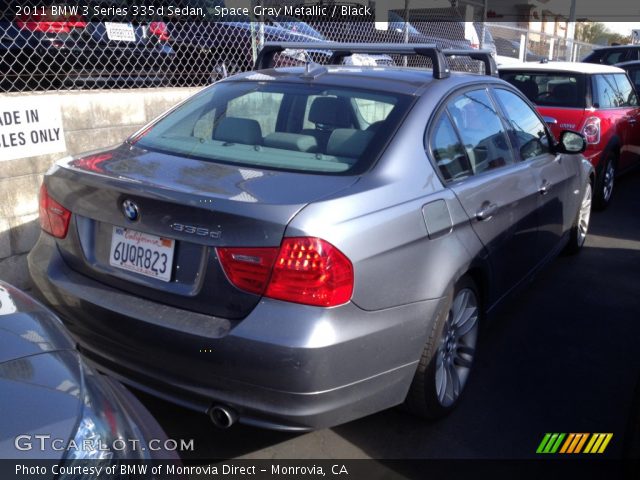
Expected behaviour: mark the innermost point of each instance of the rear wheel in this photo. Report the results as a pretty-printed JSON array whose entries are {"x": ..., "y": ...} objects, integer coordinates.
[
  {"x": 448, "y": 356},
  {"x": 604, "y": 185},
  {"x": 580, "y": 227}
]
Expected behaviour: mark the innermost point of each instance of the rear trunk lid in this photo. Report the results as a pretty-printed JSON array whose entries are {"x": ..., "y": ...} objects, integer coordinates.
[{"x": 196, "y": 204}]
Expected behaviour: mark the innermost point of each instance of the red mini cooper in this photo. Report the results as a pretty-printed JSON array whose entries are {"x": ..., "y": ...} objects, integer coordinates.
[{"x": 597, "y": 100}]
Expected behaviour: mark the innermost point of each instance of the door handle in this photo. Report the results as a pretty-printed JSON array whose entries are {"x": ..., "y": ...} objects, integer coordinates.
[
  {"x": 545, "y": 187},
  {"x": 487, "y": 211},
  {"x": 632, "y": 121}
]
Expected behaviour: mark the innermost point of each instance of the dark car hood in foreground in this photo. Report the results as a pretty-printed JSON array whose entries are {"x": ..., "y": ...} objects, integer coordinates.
[
  {"x": 26, "y": 328},
  {"x": 41, "y": 380}
]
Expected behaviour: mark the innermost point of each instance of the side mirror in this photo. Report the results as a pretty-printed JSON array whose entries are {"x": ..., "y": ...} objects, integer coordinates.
[{"x": 571, "y": 142}]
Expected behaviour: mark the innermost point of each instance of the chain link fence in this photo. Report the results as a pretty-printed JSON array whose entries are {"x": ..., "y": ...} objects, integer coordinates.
[
  {"x": 521, "y": 44},
  {"x": 48, "y": 48}
]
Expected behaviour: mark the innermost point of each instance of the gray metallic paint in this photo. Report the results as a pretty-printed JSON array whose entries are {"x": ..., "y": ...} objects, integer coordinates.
[{"x": 279, "y": 364}]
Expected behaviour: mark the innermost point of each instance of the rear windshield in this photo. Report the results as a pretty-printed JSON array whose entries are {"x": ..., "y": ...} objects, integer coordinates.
[
  {"x": 307, "y": 128},
  {"x": 550, "y": 89}
]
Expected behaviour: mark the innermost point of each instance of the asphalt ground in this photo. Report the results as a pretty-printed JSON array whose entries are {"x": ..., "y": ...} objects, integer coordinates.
[{"x": 562, "y": 356}]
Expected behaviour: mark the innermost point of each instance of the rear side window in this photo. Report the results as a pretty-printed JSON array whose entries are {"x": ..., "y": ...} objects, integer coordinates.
[
  {"x": 481, "y": 131},
  {"x": 307, "y": 128},
  {"x": 614, "y": 56},
  {"x": 448, "y": 152},
  {"x": 613, "y": 91},
  {"x": 527, "y": 132},
  {"x": 550, "y": 89}
]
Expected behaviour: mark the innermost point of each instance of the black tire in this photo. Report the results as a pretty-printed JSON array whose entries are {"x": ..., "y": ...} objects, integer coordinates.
[
  {"x": 423, "y": 399},
  {"x": 605, "y": 181},
  {"x": 578, "y": 233}
]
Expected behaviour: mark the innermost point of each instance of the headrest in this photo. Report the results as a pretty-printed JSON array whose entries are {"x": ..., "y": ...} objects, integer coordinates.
[
  {"x": 329, "y": 111},
  {"x": 566, "y": 91},
  {"x": 238, "y": 130},
  {"x": 348, "y": 142},
  {"x": 291, "y": 141}
]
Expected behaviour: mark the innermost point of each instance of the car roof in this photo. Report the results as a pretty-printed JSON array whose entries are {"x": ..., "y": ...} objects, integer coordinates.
[
  {"x": 630, "y": 63},
  {"x": 573, "y": 67},
  {"x": 403, "y": 80},
  {"x": 615, "y": 47}
]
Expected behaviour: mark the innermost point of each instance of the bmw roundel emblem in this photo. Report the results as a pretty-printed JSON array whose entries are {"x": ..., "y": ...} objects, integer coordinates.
[{"x": 130, "y": 210}]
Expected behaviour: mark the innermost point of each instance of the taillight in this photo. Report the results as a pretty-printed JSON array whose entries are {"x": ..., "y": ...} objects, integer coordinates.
[
  {"x": 303, "y": 270},
  {"x": 54, "y": 218},
  {"x": 160, "y": 30},
  {"x": 591, "y": 130},
  {"x": 248, "y": 268},
  {"x": 61, "y": 25}
]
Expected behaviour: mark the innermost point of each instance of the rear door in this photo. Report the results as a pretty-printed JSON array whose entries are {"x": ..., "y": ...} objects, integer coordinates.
[
  {"x": 556, "y": 177},
  {"x": 499, "y": 195}
]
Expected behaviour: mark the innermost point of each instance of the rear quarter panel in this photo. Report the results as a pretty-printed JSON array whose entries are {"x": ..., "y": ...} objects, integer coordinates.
[{"x": 379, "y": 224}]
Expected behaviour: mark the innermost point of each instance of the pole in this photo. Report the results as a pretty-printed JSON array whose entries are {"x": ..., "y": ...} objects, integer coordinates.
[{"x": 571, "y": 32}]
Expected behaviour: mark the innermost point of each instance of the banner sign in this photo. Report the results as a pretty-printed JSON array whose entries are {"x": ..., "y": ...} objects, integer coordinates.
[{"x": 30, "y": 126}]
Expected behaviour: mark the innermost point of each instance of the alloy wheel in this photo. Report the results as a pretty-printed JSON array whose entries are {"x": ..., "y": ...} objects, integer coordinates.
[
  {"x": 607, "y": 182},
  {"x": 584, "y": 215},
  {"x": 457, "y": 348}
]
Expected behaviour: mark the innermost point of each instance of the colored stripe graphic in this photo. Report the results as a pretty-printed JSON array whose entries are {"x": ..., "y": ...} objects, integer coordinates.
[
  {"x": 550, "y": 443},
  {"x": 574, "y": 443},
  {"x": 598, "y": 442}
]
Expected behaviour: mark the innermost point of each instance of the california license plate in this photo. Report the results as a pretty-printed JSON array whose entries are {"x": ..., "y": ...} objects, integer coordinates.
[
  {"x": 120, "y": 32},
  {"x": 142, "y": 253}
]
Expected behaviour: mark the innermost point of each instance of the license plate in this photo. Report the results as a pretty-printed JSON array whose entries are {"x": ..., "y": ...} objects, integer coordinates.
[
  {"x": 120, "y": 32},
  {"x": 142, "y": 253}
]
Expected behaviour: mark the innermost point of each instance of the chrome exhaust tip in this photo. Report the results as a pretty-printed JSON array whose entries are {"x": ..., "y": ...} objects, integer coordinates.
[{"x": 222, "y": 417}]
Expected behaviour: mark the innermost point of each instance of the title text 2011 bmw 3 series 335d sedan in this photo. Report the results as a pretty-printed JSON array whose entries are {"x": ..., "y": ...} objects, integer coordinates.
[{"x": 295, "y": 248}]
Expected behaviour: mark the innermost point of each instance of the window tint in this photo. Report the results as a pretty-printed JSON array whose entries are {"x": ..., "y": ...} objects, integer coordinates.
[
  {"x": 481, "y": 131},
  {"x": 613, "y": 91},
  {"x": 527, "y": 133},
  {"x": 372, "y": 111},
  {"x": 549, "y": 88},
  {"x": 615, "y": 56},
  {"x": 260, "y": 124},
  {"x": 259, "y": 106},
  {"x": 448, "y": 152},
  {"x": 635, "y": 78}
]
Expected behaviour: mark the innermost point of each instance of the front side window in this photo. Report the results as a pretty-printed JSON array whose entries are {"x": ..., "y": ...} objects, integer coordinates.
[
  {"x": 613, "y": 91},
  {"x": 481, "y": 130},
  {"x": 298, "y": 127},
  {"x": 527, "y": 132}
]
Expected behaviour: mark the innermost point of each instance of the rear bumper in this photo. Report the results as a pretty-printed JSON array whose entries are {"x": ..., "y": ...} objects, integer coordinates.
[{"x": 284, "y": 366}]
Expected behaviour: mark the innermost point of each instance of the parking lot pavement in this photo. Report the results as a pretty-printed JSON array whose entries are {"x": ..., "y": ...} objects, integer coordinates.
[{"x": 561, "y": 357}]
